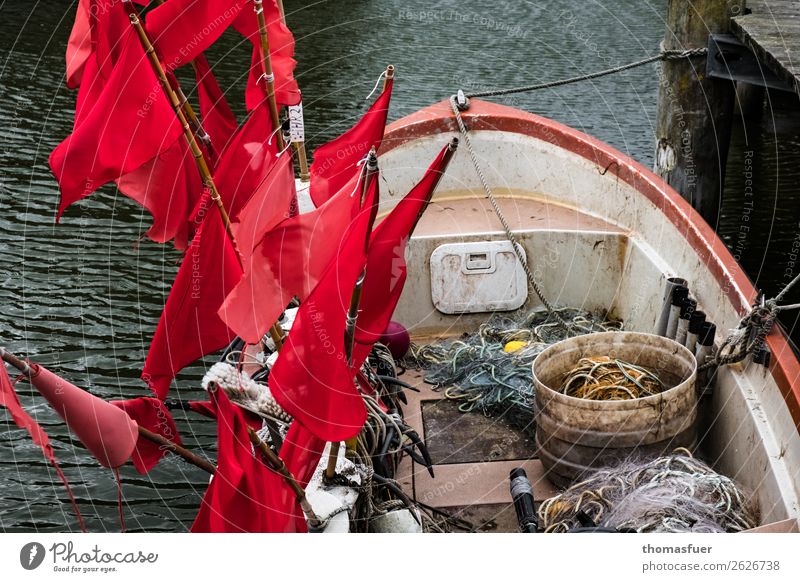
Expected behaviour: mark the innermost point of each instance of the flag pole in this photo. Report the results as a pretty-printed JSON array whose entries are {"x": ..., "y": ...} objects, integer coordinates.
[
  {"x": 200, "y": 160},
  {"x": 188, "y": 110},
  {"x": 269, "y": 76},
  {"x": 202, "y": 166},
  {"x": 370, "y": 173}
]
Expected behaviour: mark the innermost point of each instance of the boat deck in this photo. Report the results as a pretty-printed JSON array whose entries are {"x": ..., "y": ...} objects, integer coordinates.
[{"x": 472, "y": 457}]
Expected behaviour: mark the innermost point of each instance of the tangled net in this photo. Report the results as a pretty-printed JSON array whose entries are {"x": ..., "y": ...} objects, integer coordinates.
[
  {"x": 476, "y": 372},
  {"x": 673, "y": 493},
  {"x": 604, "y": 378}
]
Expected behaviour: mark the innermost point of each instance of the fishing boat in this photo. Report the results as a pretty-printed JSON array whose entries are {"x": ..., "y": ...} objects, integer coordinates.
[
  {"x": 518, "y": 217},
  {"x": 602, "y": 233}
]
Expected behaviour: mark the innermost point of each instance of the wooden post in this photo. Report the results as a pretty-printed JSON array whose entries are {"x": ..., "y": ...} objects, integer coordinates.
[
  {"x": 269, "y": 76},
  {"x": 694, "y": 112}
]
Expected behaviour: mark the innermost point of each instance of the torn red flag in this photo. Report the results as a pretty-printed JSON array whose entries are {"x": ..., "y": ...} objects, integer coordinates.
[
  {"x": 246, "y": 160},
  {"x": 386, "y": 264},
  {"x": 189, "y": 327},
  {"x": 243, "y": 496},
  {"x": 182, "y": 29},
  {"x": 336, "y": 162},
  {"x": 311, "y": 380},
  {"x": 152, "y": 414},
  {"x": 129, "y": 124},
  {"x": 10, "y": 401},
  {"x": 281, "y": 48},
  {"x": 288, "y": 261},
  {"x": 216, "y": 115}
]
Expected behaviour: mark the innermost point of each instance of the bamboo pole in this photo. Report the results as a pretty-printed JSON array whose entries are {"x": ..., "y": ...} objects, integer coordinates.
[
  {"x": 188, "y": 110},
  {"x": 276, "y": 464},
  {"x": 200, "y": 160},
  {"x": 389, "y": 74},
  {"x": 202, "y": 166},
  {"x": 269, "y": 76}
]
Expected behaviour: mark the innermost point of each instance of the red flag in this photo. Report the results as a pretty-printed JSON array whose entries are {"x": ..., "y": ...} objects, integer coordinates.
[
  {"x": 269, "y": 204},
  {"x": 169, "y": 188},
  {"x": 215, "y": 113},
  {"x": 287, "y": 262},
  {"x": 182, "y": 29},
  {"x": 281, "y": 48},
  {"x": 79, "y": 45},
  {"x": 149, "y": 413},
  {"x": 243, "y": 496},
  {"x": 9, "y": 400},
  {"x": 311, "y": 379},
  {"x": 336, "y": 162},
  {"x": 130, "y": 123},
  {"x": 386, "y": 264},
  {"x": 246, "y": 160},
  {"x": 189, "y": 327}
]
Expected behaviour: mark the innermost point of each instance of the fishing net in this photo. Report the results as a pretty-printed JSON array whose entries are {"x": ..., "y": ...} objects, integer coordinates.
[
  {"x": 673, "y": 493},
  {"x": 490, "y": 371}
]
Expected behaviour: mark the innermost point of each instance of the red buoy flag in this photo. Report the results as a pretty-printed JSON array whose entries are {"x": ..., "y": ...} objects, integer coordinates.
[
  {"x": 337, "y": 162},
  {"x": 149, "y": 413},
  {"x": 386, "y": 264},
  {"x": 189, "y": 327},
  {"x": 128, "y": 124},
  {"x": 311, "y": 379},
  {"x": 287, "y": 261},
  {"x": 216, "y": 115},
  {"x": 243, "y": 496},
  {"x": 182, "y": 29}
]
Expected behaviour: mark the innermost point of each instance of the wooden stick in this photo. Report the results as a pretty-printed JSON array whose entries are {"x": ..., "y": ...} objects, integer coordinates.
[
  {"x": 269, "y": 76},
  {"x": 202, "y": 166},
  {"x": 389, "y": 74},
  {"x": 333, "y": 457},
  {"x": 177, "y": 449},
  {"x": 200, "y": 160},
  {"x": 274, "y": 462}
]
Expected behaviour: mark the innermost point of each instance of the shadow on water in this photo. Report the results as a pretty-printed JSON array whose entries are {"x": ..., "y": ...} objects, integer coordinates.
[{"x": 84, "y": 296}]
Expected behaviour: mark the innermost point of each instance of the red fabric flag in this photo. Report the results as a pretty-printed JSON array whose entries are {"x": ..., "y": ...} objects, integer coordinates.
[
  {"x": 386, "y": 264},
  {"x": 129, "y": 124},
  {"x": 149, "y": 413},
  {"x": 79, "y": 45},
  {"x": 311, "y": 379},
  {"x": 246, "y": 160},
  {"x": 208, "y": 410},
  {"x": 269, "y": 204},
  {"x": 189, "y": 327},
  {"x": 336, "y": 162},
  {"x": 281, "y": 48},
  {"x": 169, "y": 188},
  {"x": 243, "y": 496},
  {"x": 216, "y": 115},
  {"x": 287, "y": 262},
  {"x": 182, "y": 29},
  {"x": 9, "y": 400}
]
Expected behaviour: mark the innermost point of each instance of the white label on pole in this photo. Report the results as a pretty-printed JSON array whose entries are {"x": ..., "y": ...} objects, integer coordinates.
[{"x": 296, "y": 126}]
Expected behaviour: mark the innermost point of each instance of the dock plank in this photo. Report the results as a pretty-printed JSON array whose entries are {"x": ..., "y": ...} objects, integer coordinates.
[{"x": 772, "y": 31}]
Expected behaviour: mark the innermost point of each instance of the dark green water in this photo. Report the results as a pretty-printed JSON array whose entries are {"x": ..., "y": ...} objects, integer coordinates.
[{"x": 84, "y": 296}]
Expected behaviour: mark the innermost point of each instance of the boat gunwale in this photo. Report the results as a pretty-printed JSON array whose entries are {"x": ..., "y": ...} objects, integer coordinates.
[{"x": 734, "y": 282}]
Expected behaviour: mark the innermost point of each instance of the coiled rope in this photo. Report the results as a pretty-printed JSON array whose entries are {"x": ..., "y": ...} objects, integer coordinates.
[{"x": 454, "y": 103}]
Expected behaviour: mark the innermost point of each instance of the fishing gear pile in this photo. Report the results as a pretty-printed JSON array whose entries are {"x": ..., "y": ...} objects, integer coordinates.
[
  {"x": 672, "y": 493},
  {"x": 490, "y": 371},
  {"x": 604, "y": 378}
]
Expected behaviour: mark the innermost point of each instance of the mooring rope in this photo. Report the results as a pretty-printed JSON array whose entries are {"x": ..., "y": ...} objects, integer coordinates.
[
  {"x": 454, "y": 103},
  {"x": 665, "y": 55},
  {"x": 506, "y": 227}
]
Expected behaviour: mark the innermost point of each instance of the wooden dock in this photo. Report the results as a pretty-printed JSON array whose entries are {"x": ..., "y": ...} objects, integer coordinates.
[{"x": 772, "y": 31}]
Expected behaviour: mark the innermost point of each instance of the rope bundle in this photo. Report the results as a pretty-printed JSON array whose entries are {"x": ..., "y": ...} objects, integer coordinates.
[
  {"x": 604, "y": 378},
  {"x": 673, "y": 493}
]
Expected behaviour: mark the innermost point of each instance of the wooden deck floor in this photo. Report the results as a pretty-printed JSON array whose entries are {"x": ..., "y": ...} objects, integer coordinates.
[
  {"x": 772, "y": 32},
  {"x": 473, "y": 457}
]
